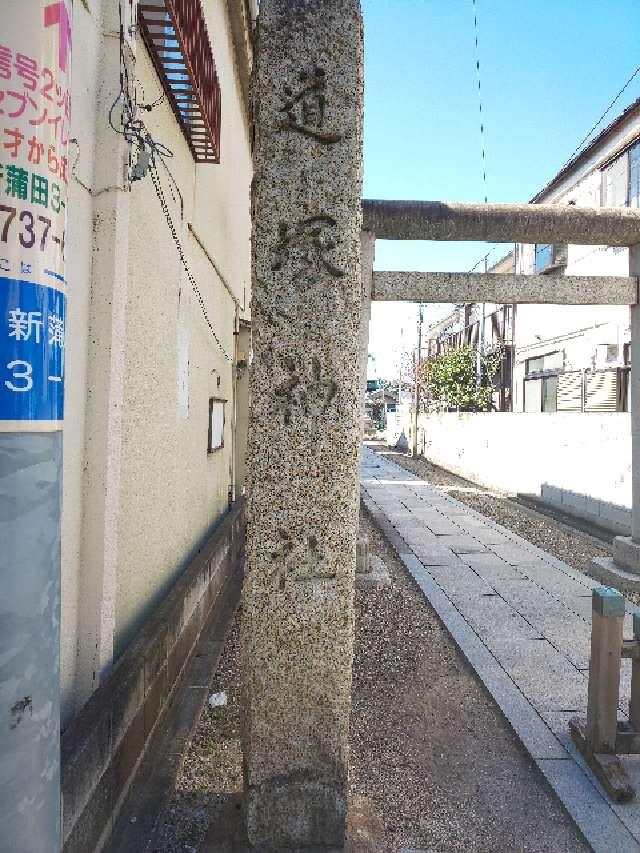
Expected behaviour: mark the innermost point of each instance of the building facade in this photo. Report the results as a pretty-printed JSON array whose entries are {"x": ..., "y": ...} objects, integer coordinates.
[
  {"x": 157, "y": 347},
  {"x": 560, "y": 358},
  {"x": 576, "y": 358}
]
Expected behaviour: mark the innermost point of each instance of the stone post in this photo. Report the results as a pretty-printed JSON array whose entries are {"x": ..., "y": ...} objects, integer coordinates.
[
  {"x": 626, "y": 550},
  {"x": 367, "y": 257},
  {"x": 634, "y": 402},
  {"x": 297, "y": 615}
]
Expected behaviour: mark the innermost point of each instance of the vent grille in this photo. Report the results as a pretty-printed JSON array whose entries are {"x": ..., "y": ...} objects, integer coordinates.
[
  {"x": 601, "y": 393},
  {"x": 570, "y": 392},
  {"x": 175, "y": 33}
]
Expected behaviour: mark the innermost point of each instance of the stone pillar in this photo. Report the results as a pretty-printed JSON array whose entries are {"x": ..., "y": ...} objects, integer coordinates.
[
  {"x": 634, "y": 397},
  {"x": 297, "y": 616},
  {"x": 367, "y": 257},
  {"x": 626, "y": 551}
]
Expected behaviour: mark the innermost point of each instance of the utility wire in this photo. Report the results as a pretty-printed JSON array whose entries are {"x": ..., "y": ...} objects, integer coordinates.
[
  {"x": 150, "y": 153},
  {"x": 482, "y": 134},
  {"x": 604, "y": 114},
  {"x": 155, "y": 179},
  {"x": 483, "y": 258}
]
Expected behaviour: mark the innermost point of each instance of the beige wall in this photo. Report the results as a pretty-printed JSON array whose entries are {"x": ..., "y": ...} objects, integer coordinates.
[{"x": 141, "y": 491}]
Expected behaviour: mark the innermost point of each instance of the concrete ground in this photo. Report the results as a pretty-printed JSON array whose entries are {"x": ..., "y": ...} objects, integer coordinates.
[
  {"x": 434, "y": 765},
  {"x": 522, "y": 619}
]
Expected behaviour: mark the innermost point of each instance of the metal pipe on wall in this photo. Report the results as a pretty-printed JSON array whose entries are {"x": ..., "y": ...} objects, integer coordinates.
[{"x": 37, "y": 59}]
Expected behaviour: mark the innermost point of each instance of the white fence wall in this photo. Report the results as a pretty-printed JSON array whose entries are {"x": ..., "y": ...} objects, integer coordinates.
[{"x": 579, "y": 461}]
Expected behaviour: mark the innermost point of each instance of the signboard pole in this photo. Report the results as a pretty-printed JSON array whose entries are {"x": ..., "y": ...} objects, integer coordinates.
[{"x": 35, "y": 58}]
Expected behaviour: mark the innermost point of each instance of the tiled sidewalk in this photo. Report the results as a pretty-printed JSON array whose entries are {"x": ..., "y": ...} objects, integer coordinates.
[{"x": 522, "y": 619}]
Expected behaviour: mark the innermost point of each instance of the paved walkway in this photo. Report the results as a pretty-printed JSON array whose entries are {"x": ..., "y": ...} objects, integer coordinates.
[{"x": 522, "y": 619}]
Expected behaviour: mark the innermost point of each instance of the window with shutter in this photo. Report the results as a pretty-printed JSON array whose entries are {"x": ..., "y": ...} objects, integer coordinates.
[
  {"x": 175, "y": 33},
  {"x": 601, "y": 392},
  {"x": 533, "y": 395},
  {"x": 615, "y": 182},
  {"x": 570, "y": 392},
  {"x": 634, "y": 176}
]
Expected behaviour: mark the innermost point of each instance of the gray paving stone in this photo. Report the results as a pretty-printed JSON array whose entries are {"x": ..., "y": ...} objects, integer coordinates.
[
  {"x": 436, "y": 523},
  {"x": 572, "y": 638},
  {"x": 487, "y": 561},
  {"x": 515, "y": 553},
  {"x": 540, "y": 606},
  {"x": 592, "y": 813},
  {"x": 465, "y": 588},
  {"x": 462, "y": 544},
  {"x": 544, "y": 675},
  {"x": 562, "y": 585},
  {"x": 448, "y": 575},
  {"x": 436, "y": 555},
  {"x": 537, "y": 738},
  {"x": 534, "y": 681}
]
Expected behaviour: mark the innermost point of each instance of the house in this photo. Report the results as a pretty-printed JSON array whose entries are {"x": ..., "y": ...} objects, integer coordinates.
[
  {"x": 576, "y": 358},
  {"x": 556, "y": 357},
  {"x": 158, "y": 165},
  {"x": 487, "y": 326}
]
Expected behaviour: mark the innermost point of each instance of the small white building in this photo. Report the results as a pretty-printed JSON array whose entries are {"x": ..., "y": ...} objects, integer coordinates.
[{"x": 576, "y": 358}]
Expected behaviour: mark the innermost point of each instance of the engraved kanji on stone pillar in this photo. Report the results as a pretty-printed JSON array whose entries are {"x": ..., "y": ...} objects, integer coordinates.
[{"x": 297, "y": 615}]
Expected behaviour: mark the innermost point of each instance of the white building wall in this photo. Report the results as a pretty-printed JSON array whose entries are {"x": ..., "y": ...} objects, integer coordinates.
[
  {"x": 170, "y": 491},
  {"x": 577, "y": 330},
  {"x": 588, "y": 456}
]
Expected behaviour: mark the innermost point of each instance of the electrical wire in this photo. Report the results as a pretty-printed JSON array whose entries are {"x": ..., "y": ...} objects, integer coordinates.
[
  {"x": 483, "y": 258},
  {"x": 157, "y": 185},
  {"x": 150, "y": 152},
  {"x": 604, "y": 114},
  {"x": 482, "y": 133}
]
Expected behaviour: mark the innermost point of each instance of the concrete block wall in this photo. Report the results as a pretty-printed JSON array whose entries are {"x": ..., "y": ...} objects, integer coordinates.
[
  {"x": 608, "y": 515},
  {"x": 105, "y": 742},
  {"x": 579, "y": 462}
]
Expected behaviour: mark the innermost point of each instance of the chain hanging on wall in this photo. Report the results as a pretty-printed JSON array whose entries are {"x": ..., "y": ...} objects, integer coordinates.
[{"x": 155, "y": 179}]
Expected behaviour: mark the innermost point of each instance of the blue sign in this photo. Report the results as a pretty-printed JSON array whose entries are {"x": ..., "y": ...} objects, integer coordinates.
[{"x": 32, "y": 331}]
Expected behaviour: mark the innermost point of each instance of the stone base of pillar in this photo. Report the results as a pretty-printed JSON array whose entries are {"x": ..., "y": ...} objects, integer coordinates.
[
  {"x": 626, "y": 553},
  {"x": 610, "y": 573},
  {"x": 289, "y": 812},
  {"x": 363, "y": 565}
]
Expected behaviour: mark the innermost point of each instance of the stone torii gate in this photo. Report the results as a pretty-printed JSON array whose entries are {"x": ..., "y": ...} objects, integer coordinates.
[{"x": 313, "y": 279}]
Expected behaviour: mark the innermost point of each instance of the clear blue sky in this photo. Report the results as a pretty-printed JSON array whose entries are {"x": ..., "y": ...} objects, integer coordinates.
[{"x": 548, "y": 70}]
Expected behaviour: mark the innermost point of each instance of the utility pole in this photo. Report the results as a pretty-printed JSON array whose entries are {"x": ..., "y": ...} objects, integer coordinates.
[
  {"x": 37, "y": 38},
  {"x": 481, "y": 337},
  {"x": 400, "y": 370},
  {"x": 416, "y": 385}
]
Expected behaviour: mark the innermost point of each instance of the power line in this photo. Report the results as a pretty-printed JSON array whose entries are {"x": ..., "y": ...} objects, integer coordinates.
[
  {"x": 482, "y": 134},
  {"x": 483, "y": 258},
  {"x": 155, "y": 179},
  {"x": 605, "y": 113}
]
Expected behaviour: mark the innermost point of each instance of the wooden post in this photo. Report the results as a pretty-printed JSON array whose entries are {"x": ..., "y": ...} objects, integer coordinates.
[{"x": 604, "y": 668}]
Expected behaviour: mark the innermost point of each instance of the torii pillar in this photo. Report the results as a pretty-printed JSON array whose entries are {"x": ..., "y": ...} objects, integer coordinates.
[{"x": 297, "y": 613}]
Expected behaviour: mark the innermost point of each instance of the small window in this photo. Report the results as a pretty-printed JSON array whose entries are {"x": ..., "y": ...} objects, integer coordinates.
[
  {"x": 551, "y": 362},
  {"x": 216, "y": 424},
  {"x": 550, "y": 394},
  {"x": 634, "y": 176},
  {"x": 550, "y": 257},
  {"x": 533, "y": 395},
  {"x": 534, "y": 365},
  {"x": 615, "y": 182}
]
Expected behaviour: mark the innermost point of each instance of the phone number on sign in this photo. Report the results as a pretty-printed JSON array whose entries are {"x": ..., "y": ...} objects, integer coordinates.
[{"x": 31, "y": 229}]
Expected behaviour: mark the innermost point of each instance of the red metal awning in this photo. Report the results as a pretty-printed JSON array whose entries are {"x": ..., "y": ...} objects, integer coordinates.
[{"x": 175, "y": 33}]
